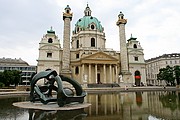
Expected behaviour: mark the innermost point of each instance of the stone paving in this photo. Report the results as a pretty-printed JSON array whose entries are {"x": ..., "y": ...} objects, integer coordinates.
[
  {"x": 104, "y": 89},
  {"x": 131, "y": 89}
]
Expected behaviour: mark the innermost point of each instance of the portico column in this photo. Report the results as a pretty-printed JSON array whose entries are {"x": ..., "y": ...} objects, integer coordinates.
[
  {"x": 110, "y": 73},
  {"x": 89, "y": 73},
  {"x": 113, "y": 78},
  {"x": 96, "y": 73},
  {"x": 104, "y": 67},
  {"x": 82, "y": 73},
  {"x": 116, "y": 74}
]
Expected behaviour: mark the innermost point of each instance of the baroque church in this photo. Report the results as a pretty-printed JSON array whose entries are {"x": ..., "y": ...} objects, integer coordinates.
[{"x": 84, "y": 56}]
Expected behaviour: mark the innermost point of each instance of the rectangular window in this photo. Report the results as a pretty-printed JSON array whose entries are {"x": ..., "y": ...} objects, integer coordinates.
[
  {"x": 136, "y": 58},
  {"x": 49, "y": 55},
  {"x": 77, "y": 70},
  {"x": 77, "y": 56},
  {"x": 77, "y": 44}
]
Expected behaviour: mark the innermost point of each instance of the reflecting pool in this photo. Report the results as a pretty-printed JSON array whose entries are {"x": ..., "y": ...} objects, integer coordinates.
[{"x": 161, "y": 105}]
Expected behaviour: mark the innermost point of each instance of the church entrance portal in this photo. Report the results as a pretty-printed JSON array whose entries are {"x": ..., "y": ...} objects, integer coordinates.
[
  {"x": 98, "y": 78},
  {"x": 137, "y": 77}
]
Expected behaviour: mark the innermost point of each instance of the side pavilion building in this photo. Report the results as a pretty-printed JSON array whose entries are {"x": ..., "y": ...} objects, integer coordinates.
[{"x": 88, "y": 60}]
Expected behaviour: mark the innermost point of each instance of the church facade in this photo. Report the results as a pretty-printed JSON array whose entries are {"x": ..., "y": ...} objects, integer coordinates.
[{"x": 88, "y": 60}]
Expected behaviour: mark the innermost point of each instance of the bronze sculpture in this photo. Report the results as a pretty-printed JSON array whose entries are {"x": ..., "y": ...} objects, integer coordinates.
[{"x": 64, "y": 95}]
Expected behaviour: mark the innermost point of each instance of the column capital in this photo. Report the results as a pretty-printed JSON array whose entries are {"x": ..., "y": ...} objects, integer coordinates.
[
  {"x": 67, "y": 13},
  {"x": 121, "y": 19}
]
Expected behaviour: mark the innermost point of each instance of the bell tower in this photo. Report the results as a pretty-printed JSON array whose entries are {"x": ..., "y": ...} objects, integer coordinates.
[
  {"x": 49, "y": 47},
  {"x": 123, "y": 48},
  {"x": 67, "y": 17}
]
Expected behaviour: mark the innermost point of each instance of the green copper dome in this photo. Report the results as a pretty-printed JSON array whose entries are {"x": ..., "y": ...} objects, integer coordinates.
[{"x": 86, "y": 22}]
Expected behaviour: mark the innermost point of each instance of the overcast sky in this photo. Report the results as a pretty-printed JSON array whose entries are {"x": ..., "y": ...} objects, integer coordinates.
[{"x": 155, "y": 23}]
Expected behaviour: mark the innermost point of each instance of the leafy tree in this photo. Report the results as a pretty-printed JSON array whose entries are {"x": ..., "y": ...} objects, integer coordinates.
[
  {"x": 177, "y": 74},
  {"x": 161, "y": 74},
  {"x": 16, "y": 78},
  {"x": 10, "y": 77},
  {"x": 1, "y": 79},
  {"x": 167, "y": 75}
]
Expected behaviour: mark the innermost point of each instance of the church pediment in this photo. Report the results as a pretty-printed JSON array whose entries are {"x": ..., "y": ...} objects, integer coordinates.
[{"x": 100, "y": 56}]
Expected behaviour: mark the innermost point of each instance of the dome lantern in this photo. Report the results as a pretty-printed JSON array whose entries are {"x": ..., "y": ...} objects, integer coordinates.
[{"x": 87, "y": 11}]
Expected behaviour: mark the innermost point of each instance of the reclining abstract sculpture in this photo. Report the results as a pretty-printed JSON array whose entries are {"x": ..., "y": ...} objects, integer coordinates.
[{"x": 54, "y": 82}]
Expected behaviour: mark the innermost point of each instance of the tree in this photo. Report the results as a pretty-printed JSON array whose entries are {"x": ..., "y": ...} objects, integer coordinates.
[
  {"x": 10, "y": 77},
  {"x": 16, "y": 78},
  {"x": 177, "y": 74},
  {"x": 167, "y": 75},
  {"x": 1, "y": 79}
]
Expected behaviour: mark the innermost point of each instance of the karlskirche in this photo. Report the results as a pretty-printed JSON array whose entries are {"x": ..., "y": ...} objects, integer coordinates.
[{"x": 84, "y": 56}]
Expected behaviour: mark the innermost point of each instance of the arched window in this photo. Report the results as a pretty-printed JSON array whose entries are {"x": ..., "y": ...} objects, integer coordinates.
[
  {"x": 77, "y": 70},
  {"x": 50, "y": 40},
  {"x": 77, "y": 44},
  {"x": 135, "y": 46},
  {"x": 67, "y": 11},
  {"x": 92, "y": 42},
  {"x": 137, "y": 73},
  {"x": 92, "y": 27}
]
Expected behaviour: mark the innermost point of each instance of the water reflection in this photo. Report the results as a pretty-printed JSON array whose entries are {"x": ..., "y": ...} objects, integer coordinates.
[
  {"x": 57, "y": 115},
  {"x": 134, "y": 106},
  {"x": 7, "y": 111},
  {"x": 121, "y": 106},
  {"x": 106, "y": 106},
  {"x": 165, "y": 105},
  {"x": 168, "y": 100},
  {"x": 139, "y": 98}
]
